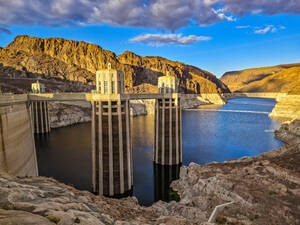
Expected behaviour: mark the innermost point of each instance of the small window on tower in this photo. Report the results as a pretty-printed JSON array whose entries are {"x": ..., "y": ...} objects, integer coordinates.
[
  {"x": 112, "y": 87},
  {"x": 105, "y": 87},
  {"x": 119, "y": 87}
]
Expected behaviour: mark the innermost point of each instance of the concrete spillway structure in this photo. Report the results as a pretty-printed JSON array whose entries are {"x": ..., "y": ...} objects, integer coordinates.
[
  {"x": 17, "y": 148},
  {"x": 40, "y": 117},
  {"x": 168, "y": 128},
  {"x": 111, "y": 139}
]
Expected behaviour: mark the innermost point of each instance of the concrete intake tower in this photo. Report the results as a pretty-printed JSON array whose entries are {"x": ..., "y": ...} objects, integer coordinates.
[{"x": 111, "y": 138}]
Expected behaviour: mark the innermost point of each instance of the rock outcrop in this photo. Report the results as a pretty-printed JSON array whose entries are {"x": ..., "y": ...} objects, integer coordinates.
[
  {"x": 64, "y": 114},
  {"x": 289, "y": 132},
  {"x": 287, "y": 107},
  {"x": 69, "y": 113},
  {"x": 78, "y": 61},
  {"x": 40, "y": 200}
]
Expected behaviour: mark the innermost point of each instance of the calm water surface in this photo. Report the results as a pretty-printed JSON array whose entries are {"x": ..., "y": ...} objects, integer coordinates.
[{"x": 65, "y": 153}]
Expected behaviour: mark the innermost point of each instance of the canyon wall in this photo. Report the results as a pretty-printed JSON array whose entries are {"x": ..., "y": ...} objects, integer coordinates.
[
  {"x": 77, "y": 61},
  {"x": 281, "y": 78}
]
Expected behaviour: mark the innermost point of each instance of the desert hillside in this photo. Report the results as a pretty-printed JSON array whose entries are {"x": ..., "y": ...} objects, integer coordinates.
[
  {"x": 281, "y": 78},
  {"x": 59, "y": 60}
]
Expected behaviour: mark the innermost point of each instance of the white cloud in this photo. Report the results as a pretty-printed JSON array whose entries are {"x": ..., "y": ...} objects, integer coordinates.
[
  {"x": 269, "y": 28},
  {"x": 264, "y": 30},
  {"x": 169, "y": 39},
  {"x": 242, "y": 27},
  {"x": 161, "y": 14}
]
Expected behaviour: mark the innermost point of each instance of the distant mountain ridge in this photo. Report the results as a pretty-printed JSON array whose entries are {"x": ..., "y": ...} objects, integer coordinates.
[
  {"x": 78, "y": 61},
  {"x": 280, "y": 78}
]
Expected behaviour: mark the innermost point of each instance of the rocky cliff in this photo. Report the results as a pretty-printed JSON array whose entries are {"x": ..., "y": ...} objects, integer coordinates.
[
  {"x": 78, "y": 61},
  {"x": 287, "y": 107},
  {"x": 281, "y": 78}
]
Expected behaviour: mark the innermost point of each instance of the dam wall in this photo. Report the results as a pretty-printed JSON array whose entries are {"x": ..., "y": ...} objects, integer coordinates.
[{"x": 17, "y": 148}]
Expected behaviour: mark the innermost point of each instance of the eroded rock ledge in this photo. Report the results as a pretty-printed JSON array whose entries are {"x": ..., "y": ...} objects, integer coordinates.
[
  {"x": 289, "y": 132},
  {"x": 39, "y": 201}
]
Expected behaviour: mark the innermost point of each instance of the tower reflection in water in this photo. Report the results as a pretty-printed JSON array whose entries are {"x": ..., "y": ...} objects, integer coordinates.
[{"x": 163, "y": 177}]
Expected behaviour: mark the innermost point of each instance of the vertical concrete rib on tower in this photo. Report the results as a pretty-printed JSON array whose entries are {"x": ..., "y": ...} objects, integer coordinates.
[{"x": 40, "y": 117}]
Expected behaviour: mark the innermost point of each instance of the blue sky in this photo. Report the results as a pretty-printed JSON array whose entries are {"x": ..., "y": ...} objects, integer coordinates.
[{"x": 227, "y": 38}]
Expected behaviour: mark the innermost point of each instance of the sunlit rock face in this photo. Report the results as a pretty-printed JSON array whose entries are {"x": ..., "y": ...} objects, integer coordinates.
[
  {"x": 79, "y": 61},
  {"x": 288, "y": 107}
]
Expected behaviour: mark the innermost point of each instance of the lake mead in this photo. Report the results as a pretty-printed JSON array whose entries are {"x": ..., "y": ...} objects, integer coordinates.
[{"x": 210, "y": 133}]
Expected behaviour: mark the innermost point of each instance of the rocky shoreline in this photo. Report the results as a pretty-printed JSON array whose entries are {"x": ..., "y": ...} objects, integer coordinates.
[{"x": 40, "y": 200}]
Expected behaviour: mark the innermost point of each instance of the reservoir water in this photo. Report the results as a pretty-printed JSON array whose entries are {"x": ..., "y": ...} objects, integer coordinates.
[{"x": 211, "y": 133}]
